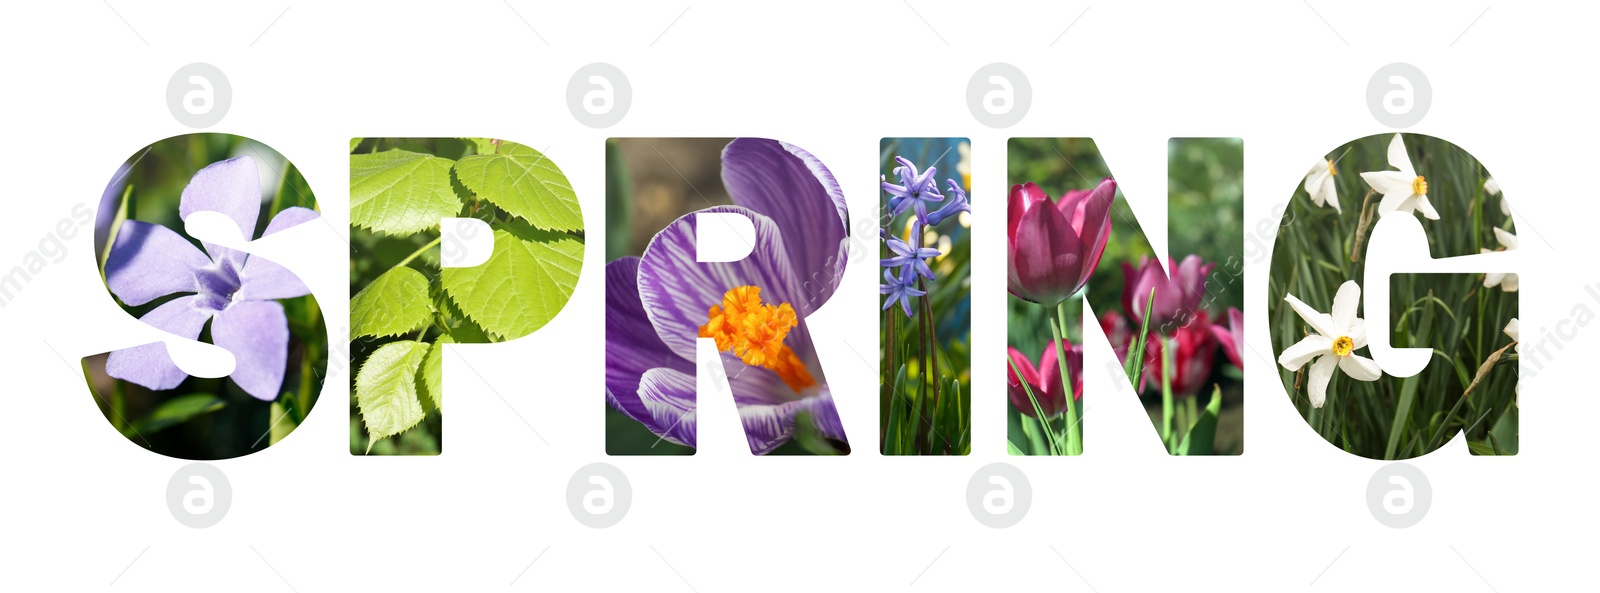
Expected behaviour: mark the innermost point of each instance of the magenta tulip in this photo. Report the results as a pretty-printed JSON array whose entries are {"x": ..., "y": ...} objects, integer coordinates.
[
  {"x": 1194, "y": 352},
  {"x": 1177, "y": 297},
  {"x": 1045, "y": 380},
  {"x": 1117, "y": 331},
  {"x": 1053, "y": 247},
  {"x": 1232, "y": 337}
]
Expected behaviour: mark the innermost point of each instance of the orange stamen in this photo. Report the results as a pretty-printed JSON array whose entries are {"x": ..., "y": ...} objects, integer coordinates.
[{"x": 754, "y": 331}]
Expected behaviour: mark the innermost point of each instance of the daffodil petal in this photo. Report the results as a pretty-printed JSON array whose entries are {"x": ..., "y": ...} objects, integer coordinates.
[
  {"x": 1321, "y": 373},
  {"x": 1426, "y": 207},
  {"x": 1307, "y": 348},
  {"x": 1344, "y": 308},
  {"x": 1397, "y": 155},
  {"x": 1358, "y": 333},
  {"x": 1360, "y": 368},
  {"x": 1317, "y": 320},
  {"x": 1507, "y": 239},
  {"x": 1385, "y": 182},
  {"x": 1395, "y": 200}
]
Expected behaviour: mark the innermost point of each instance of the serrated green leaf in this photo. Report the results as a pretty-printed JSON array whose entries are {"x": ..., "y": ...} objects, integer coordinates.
[
  {"x": 431, "y": 377},
  {"x": 386, "y": 389},
  {"x": 354, "y": 142},
  {"x": 400, "y": 192},
  {"x": 176, "y": 411},
  {"x": 522, "y": 286},
  {"x": 524, "y": 183},
  {"x": 394, "y": 303}
]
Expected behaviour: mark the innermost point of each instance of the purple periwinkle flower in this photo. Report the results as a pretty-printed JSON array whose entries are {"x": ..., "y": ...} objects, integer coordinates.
[
  {"x": 900, "y": 289},
  {"x": 234, "y": 291},
  {"x": 957, "y": 204},
  {"x": 907, "y": 256},
  {"x": 659, "y": 305},
  {"x": 915, "y": 190}
]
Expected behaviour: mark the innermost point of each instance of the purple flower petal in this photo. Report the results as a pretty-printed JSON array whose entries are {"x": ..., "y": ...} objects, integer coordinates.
[
  {"x": 632, "y": 346},
  {"x": 766, "y": 427},
  {"x": 149, "y": 365},
  {"x": 149, "y": 261},
  {"x": 257, "y": 333},
  {"x": 232, "y": 188},
  {"x": 262, "y": 279},
  {"x": 668, "y": 397},
  {"x": 677, "y": 292},
  {"x": 794, "y": 189},
  {"x": 289, "y": 218}
]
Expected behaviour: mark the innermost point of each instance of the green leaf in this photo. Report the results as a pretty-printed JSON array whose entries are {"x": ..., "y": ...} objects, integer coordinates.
[
  {"x": 393, "y": 304},
  {"x": 282, "y": 422},
  {"x": 176, "y": 411},
  {"x": 484, "y": 145},
  {"x": 386, "y": 389},
  {"x": 431, "y": 377},
  {"x": 522, "y": 286},
  {"x": 354, "y": 142},
  {"x": 1201, "y": 439},
  {"x": 523, "y": 182},
  {"x": 400, "y": 192}
]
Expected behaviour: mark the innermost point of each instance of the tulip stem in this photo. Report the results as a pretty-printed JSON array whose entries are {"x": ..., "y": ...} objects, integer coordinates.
[
  {"x": 1058, "y": 329},
  {"x": 1166, "y": 394}
]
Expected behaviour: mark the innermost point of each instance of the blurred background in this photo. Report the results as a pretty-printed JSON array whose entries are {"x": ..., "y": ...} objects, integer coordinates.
[
  {"x": 206, "y": 418},
  {"x": 1205, "y": 184}
]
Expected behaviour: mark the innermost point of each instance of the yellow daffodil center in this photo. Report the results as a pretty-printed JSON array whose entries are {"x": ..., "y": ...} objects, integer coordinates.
[
  {"x": 754, "y": 331},
  {"x": 1419, "y": 186},
  {"x": 1331, "y": 169},
  {"x": 1344, "y": 346}
]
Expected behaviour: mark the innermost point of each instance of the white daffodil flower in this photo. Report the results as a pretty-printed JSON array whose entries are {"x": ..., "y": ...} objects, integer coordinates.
[
  {"x": 1506, "y": 281},
  {"x": 1338, "y": 337},
  {"x": 1514, "y": 330},
  {"x": 1492, "y": 188},
  {"x": 1403, "y": 190},
  {"x": 1319, "y": 183}
]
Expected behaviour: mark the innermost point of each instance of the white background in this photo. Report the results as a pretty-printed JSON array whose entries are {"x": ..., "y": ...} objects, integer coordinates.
[{"x": 85, "y": 509}]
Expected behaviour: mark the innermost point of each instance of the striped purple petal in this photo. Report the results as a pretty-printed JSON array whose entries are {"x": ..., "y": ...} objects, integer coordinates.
[
  {"x": 632, "y": 346},
  {"x": 677, "y": 292},
  {"x": 790, "y": 186}
]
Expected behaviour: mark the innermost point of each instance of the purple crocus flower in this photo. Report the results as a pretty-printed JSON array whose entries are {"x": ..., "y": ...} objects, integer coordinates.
[
  {"x": 915, "y": 190},
  {"x": 900, "y": 289},
  {"x": 659, "y": 305},
  {"x": 232, "y": 290},
  {"x": 907, "y": 256}
]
